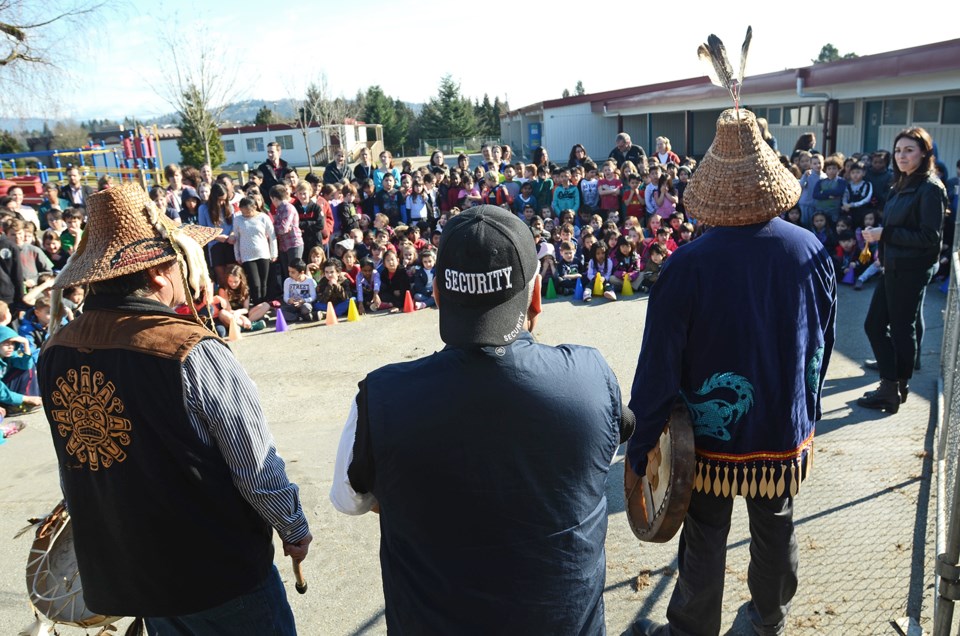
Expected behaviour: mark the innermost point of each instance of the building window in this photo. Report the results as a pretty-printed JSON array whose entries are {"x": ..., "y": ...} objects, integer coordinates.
[
  {"x": 255, "y": 144},
  {"x": 951, "y": 109},
  {"x": 760, "y": 112},
  {"x": 845, "y": 112},
  {"x": 229, "y": 145},
  {"x": 773, "y": 116},
  {"x": 791, "y": 116},
  {"x": 926, "y": 110},
  {"x": 285, "y": 141},
  {"x": 895, "y": 112}
]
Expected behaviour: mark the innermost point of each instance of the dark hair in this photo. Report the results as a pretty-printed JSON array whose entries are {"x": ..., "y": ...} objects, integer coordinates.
[
  {"x": 312, "y": 179},
  {"x": 72, "y": 213},
  {"x": 846, "y": 235},
  {"x": 922, "y": 137},
  {"x": 333, "y": 261},
  {"x": 247, "y": 202},
  {"x": 298, "y": 265},
  {"x": 806, "y": 141},
  {"x": 366, "y": 261},
  {"x": 278, "y": 192},
  {"x": 217, "y": 192},
  {"x": 242, "y": 292},
  {"x": 135, "y": 284},
  {"x": 858, "y": 165},
  {"x": 657, "y": 248},
  {"x": 623, "y": 241}
]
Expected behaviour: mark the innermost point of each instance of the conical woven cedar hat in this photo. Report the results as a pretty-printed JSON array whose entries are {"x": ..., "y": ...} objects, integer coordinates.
[
  {"x": 125, "y": 233},
  {"x": 740, "y": 180}
]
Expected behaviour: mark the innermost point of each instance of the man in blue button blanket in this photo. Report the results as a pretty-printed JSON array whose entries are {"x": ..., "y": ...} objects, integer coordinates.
[
  {"x": 740, "y": 325},
  {"x": 492, "y": 505}
]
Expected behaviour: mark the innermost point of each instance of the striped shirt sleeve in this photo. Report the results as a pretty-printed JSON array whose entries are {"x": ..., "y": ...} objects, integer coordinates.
[{"x": 224, "y": 409}]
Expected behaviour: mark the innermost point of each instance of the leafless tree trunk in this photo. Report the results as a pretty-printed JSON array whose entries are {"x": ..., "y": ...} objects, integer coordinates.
[
  {"x": 199, "y": 80},
  {"x": 319, "y": 108}
]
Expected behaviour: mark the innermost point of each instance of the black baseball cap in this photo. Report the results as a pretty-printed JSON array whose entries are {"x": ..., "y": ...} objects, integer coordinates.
[{"x": 485, "y": 265}]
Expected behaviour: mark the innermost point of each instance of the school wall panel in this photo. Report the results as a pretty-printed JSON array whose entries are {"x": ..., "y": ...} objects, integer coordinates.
[
  {"x": 568, "y": 125},
  {"x": 669, "y": 125},
  {"x": 636, "y": 127},
  {"x": 704, "y": 130}
]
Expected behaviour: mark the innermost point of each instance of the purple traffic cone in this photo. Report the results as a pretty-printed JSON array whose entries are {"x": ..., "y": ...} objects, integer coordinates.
[{"x": 281, "y": 322}]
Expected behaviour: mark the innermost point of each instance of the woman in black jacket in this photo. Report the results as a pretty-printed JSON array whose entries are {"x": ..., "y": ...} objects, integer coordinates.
[{"x": 909, "y": 248}]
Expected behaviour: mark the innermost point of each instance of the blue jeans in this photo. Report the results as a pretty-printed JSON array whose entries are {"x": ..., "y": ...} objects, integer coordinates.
[{"x": 263, "y": 611}]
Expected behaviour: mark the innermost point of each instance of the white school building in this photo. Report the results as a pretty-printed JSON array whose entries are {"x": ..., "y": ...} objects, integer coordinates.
[{"x": 855, "y": 105}]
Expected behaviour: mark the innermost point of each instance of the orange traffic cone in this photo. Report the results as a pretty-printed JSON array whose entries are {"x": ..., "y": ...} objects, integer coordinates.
[
  {"x": 352, "y": 314},
  {"x": 331, "y": 315},
  {"x": 408, "y": 306}
]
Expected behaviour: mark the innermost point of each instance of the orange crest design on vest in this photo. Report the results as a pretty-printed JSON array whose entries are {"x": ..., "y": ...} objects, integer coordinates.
[{"x": 90, "y": 417}]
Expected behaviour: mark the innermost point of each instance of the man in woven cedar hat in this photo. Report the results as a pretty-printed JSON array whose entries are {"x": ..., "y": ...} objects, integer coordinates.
[
  {"x": 741, "y": 326},
  {"x": 167, "y": 465}
]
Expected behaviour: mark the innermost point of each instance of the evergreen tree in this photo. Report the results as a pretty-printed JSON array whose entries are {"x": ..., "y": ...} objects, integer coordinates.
[
  {"x": 193, "y": 149},
  {"x": 448, "y": 114},
  {"x": 830, "y": 53},
  {"x": 579, "y": 90},
  {"x": 499, "y": 108},
  {"x": 566, "y": 93},
  {"x": 265, "y": 117},
  {"x": 9, "y": 142},
  {"x": 379, "y": 109}
]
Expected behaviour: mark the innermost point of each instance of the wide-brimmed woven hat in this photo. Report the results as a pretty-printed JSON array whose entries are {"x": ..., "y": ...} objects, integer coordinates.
[
  {"x": 125, "y": 233},
  {"x": 740, "y": 180}
]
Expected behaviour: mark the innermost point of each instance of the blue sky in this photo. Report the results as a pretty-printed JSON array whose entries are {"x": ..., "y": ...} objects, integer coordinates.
[{"x": 517, "y": 54}]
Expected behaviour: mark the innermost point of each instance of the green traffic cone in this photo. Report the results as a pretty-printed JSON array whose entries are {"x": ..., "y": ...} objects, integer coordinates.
[{"x": 551, "y": 290}]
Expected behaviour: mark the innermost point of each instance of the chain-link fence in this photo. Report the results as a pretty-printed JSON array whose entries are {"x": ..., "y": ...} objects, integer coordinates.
[
  {"x": 948, "y": 449},
  {"x": 456, "y": 145}
]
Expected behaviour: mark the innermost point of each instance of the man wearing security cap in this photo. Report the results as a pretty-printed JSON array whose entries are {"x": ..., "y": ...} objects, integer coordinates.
[
  {"x": 492, "y": 505},
  {"x": 167, "y": 466},
  {"x": 740, "y": 326}
]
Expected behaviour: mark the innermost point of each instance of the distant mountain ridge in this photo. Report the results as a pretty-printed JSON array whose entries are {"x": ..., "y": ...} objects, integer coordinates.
[{"x": 238, "y": 113}]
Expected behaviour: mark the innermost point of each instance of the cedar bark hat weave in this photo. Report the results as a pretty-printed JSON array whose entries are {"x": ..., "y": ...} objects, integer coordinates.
[
  {"x": 125, "y": 233},
  {"x": 740, "y": 180}
]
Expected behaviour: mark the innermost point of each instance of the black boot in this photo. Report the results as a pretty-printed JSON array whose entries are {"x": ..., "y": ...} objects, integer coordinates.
[
  {"x": 886, "y": 397},
  {"x": 904, "y": 390}
]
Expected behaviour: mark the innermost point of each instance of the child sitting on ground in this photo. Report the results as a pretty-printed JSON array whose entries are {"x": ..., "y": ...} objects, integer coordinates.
[
  {"x": 299, "y": 293},
  {"x": 334, "y": 288},
  {"x": 235, "y": 303},
  {"x": 35, "y": 324},
  {"x": 548, "y": 264},
  {"x": 18, "y": 387},
  {"x": 368, "y": 284},
  {"x": 599, "y": 265},
  {"x": 394, "y": 284},
  {"x": 651, "y": 269},
  {"x": 625, "y": 264},
  {"x": 422, "y": 283},
  {"x": 569, "y": 269},
  {"x": 869, "y": 252},
  {"x": 846, "y": 258}
]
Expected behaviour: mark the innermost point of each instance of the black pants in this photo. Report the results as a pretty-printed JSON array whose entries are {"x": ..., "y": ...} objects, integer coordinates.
[
  {"x": 891, "y": 323},
  {"x": 697, "y": 599},
  {"x": 256, "y": 272}
]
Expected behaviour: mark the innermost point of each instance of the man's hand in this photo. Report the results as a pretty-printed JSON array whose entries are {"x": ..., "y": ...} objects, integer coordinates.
[{"x": 298, "y": 551}]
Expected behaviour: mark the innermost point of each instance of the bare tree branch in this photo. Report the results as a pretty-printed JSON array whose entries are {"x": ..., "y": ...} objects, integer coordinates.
[{"x": 198, "y": 82}]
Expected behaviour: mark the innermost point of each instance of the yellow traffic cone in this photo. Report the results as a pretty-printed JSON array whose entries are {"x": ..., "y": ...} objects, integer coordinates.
[
  {"x": 627, "y": 286},
  {"x": 331, "y": 315},
  {"x": 598, "y": 285},
  {"x": 352, "y": 314}
]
